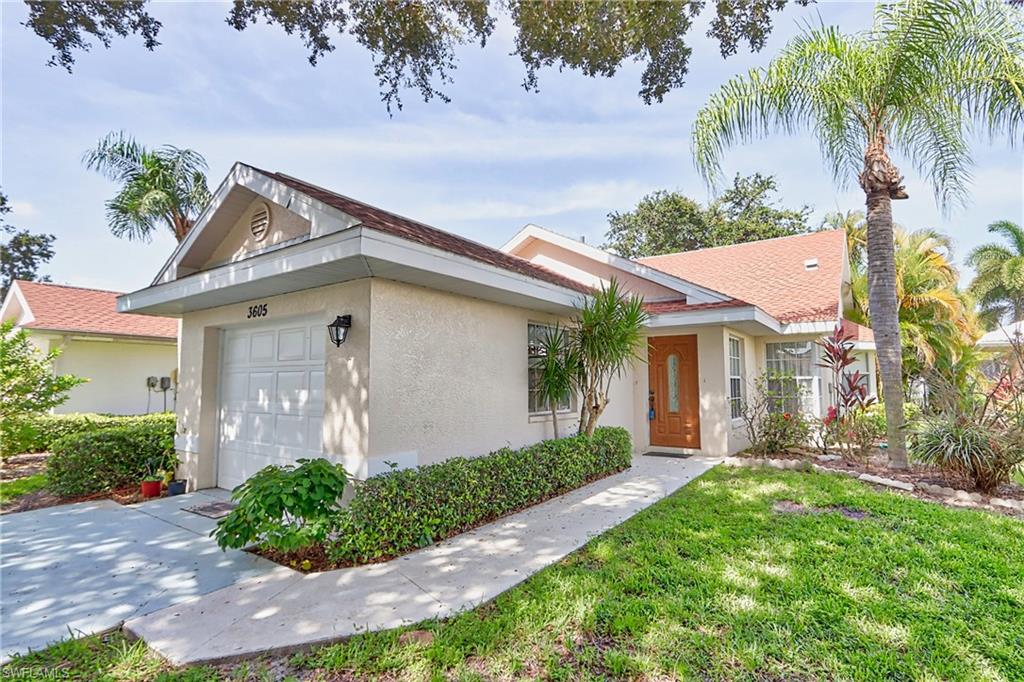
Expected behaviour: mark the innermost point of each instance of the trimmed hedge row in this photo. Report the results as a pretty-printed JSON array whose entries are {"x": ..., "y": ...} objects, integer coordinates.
[
  {"x": 41, "y": 431},
  {"x": 399, "y": 511},
  {"x": 107, "y": 459}
]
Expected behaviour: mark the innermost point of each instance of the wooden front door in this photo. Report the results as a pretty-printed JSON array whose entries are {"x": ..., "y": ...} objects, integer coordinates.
[{"x": 674, "y": 391}]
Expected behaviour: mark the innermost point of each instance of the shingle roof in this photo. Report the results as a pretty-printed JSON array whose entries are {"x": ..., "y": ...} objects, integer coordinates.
[
  {"x": 770, "y": 274},
  {"x": 859, "y": 332},
  {"x": 57, "y": 307},
  {"x": 681, "y": 306},
  {"x": 418, "y": 232}
]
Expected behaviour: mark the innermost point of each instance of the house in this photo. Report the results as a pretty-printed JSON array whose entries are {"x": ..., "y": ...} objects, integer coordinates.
[
  {"x": 998, "y": 345},
  {"x": 116, "y": 352},
  {"x": 434, "y": 333}
]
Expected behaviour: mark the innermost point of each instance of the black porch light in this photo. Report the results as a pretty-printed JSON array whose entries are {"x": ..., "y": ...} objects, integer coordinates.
[{"x": 338, "y": 330}]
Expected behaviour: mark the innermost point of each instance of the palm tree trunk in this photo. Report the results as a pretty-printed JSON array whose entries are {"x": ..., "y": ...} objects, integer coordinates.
[{"x": 882, "y": 183}]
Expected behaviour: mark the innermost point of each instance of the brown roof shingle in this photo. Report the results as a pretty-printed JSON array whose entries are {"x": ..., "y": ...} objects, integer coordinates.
[
  {"x": 58, "y": 307},
  {"x": 770, "y": 274},
  {"x": 418, "y": 232},
  {"x": 681, "y": 306}
]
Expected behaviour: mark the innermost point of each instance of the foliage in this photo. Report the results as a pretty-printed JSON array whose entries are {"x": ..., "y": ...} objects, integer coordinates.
[
  {"x": 16, "y": 487},
  {"x": 607, "y": 332},
  {"x": 28, "y": 384},
  {"x": 875, "y": 414},
  {"x": 560, "y": 366},
  {"x": 713, "y": 584},
  {"x": 22, "y": 253},
  {"x": 285, "y": 508},
  {"x": 999, "y": 283},
  {"x": 163, "y": 186},
  {"x": 937, "y": 323},
  {"x": 668, "y": 222},
  {"x": 111, "y": 458},
  {"x": 977, "y": 429},
  {"x": 926, "y": 74},
  {"x": 40, "y": 431},
  {"x": 771, "y": 430},
  {"x": 413, "y": 44},
  {"x": 856, "y": 229},
  {"x": 402, "y": 510},
  {"x": 846, "y": 424}
]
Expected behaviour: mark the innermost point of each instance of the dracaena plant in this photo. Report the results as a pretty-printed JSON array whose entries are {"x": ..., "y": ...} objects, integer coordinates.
[{"x": 845, "y": 424}]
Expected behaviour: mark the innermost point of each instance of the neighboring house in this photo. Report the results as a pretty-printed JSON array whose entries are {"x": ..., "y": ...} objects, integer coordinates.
[
  {"x": 997, "y": 343},
  {"x": 436, "y": 362},
  {"x": 116, "y": 352}
]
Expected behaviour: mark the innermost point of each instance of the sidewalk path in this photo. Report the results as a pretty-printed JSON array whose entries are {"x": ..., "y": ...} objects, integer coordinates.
[{"x": 286, "y": 610}]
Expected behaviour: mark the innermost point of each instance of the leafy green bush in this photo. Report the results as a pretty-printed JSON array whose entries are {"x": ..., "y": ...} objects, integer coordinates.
[
  {"x": 110, "y": 458},
  {"x": 972, "y": 448},
  {"x": 402, "y": 510},
  {"x": 286, "y": 508},
  {"x": 875, "y": 413},
  {"x": 39, "y": 432}
]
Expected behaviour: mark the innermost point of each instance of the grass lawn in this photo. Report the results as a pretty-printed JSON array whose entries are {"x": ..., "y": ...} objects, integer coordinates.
[
  {"x": 712, "y": 583},
  {"x": 20, "y": 486}
]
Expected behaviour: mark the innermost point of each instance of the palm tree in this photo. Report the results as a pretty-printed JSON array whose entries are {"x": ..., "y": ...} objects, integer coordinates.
[
  {"x": 937, "y": 324},
  {"x": 559, "y": 370},
  {"x": 916, "y": 83},
  {"x": 158, "y": 186},
  {"x": 852, "y": 223},
  {"x": 999, "y": 284}
]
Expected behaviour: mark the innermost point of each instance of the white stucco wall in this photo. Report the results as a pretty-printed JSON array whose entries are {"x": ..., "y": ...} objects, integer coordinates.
[
  {"x": 449, "y": 378},
  {"x": 116, "y": 371}
]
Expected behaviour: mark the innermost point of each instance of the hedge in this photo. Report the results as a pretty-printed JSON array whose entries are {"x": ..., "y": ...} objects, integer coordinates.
[
  {"x": 107, "y": 459},
  {"x": 402, "y": 510},
  {"x": 41, "y": 431}
]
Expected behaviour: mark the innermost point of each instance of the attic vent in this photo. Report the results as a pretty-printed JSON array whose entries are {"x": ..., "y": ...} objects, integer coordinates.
[
  {"x": 811, "y": 264},
  {"x": 259, "y": 223}
]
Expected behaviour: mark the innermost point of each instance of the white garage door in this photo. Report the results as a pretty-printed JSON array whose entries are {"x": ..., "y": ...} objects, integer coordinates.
[{"x": 271, "y": 397}]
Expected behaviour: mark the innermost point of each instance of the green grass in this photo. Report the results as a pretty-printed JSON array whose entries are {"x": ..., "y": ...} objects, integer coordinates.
[
  {"x": 713, "y": 584},
  {"x": 21, "y": 486},
  {"x": 1018, "y": 475}
]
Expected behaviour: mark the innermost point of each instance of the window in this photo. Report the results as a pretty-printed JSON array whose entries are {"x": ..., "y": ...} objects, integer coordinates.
[
  {"x": 535, "y": 358},
  {"x": 792, "y": 362},
  {"x": 735, "y": 377}
]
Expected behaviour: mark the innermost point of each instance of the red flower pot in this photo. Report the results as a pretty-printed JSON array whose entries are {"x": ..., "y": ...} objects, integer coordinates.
[{"x": 152, "y": 488}]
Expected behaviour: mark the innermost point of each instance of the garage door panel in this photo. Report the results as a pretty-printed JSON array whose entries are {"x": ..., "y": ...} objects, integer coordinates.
[
  {"x": 291, "y": 344},
  {"x": 316, "y": 343},
  {"x": 261, "y": 347},
  {"x": 271, "y": 403}
]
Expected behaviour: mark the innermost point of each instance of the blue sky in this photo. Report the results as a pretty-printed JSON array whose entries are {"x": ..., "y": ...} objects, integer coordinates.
[{"x": 493, "y": 159}]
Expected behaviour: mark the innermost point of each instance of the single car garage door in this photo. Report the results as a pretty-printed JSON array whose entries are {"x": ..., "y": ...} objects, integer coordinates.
[{"x": 271, "y": 397}]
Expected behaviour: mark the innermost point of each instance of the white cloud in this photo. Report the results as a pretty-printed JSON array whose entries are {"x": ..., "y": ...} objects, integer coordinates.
[{"x": 23, "y": 209}]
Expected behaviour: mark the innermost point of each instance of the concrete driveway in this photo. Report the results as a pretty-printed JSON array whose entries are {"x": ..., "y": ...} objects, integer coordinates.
[{"x": 82, "y": 568}]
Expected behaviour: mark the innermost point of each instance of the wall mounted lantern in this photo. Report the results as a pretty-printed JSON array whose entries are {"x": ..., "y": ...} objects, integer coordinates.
[{"x": 338, "y": 330}]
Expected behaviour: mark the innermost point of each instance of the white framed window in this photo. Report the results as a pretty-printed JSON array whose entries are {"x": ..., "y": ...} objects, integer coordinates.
[
  {"x": 535, "y": 358},
  {"x": 796, "y": 360},
  {"x": 735, "y": 377}
]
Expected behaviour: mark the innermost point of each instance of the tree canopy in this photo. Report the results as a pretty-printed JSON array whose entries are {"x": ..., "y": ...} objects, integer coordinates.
[
  {"x": 668, "y": 222},
  {"x": 22, "y": 253},
  {"x": 413, "y": 44},
  {"x": 999, "y": 284}
]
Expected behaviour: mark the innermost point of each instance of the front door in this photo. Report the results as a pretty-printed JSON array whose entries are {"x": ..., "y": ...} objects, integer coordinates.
[{"x": 674, "y": 391}]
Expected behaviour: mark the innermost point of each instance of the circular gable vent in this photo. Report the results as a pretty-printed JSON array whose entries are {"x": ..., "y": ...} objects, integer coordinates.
[{"x": 259, "y": 223}]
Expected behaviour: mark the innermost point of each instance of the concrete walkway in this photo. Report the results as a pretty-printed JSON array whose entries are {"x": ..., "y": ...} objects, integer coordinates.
[
  {"x": 78, "y": 569},
  {"x": 284, "y": 609}
]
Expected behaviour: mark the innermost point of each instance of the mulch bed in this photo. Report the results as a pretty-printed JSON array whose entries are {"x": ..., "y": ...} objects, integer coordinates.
[{"x": 20, "y": 466}]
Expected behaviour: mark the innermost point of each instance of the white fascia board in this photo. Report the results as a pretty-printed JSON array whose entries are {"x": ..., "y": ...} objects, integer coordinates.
[
  {"x": 323, "y": 219},
  {"x": 15, "y": 294},
  {"x": 314, "y": 252},
  {"x": 377, "y": 244},
  {"x": 694, "y": 292},
  {"x": 819, "y": 327},
  {"x": 864, "y": 345},
  {"x": 715, "y": 316}
]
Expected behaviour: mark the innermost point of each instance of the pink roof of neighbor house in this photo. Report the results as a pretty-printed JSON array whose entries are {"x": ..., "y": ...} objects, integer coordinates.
[
  {"x": 406, "y": 228},
  {"x": 859, "y": 332},
  {"x": 57, "y": 307},
  {"x": 771, "y": 274}
]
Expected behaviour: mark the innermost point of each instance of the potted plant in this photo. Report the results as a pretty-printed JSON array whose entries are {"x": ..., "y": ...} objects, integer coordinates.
[
  {"x": 175, "y": 486},
  {"x": 152, "y": 482}
]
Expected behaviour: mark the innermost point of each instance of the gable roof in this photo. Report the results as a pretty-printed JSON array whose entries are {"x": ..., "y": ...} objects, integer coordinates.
[
  {"x": 62, "y": 308},
  {"x": 771, "y": 274},
  {"x": 421, "y": 233}
]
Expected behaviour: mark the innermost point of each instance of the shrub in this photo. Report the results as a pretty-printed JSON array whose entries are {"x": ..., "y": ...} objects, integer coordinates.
[
  {"x": 402, "y": 510},
  {"x": 41, "y": 431},
  {"x": 969, "y": 448},
  {"x": 770, "y": 429},
  {"x": 110, "y": 458},
  {"x": 286, "y": 508}
]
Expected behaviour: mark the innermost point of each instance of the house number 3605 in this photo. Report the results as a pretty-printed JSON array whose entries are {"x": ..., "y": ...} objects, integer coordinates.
[{"x": 258, "y": 310}]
